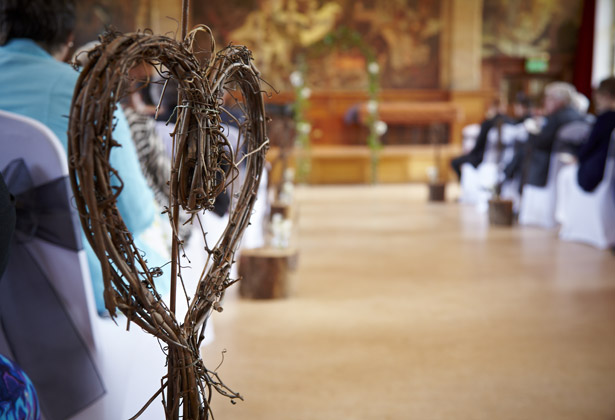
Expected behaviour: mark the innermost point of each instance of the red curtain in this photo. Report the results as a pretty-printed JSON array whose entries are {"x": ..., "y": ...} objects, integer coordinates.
[{"x": 582, "y": 76}]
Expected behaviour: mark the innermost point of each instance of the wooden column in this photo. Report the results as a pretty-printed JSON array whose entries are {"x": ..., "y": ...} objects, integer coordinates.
[
  {"x": 461, "y": 57},
  {"x": 463, "y": 44},
  {"x": 160, "y": 16}
]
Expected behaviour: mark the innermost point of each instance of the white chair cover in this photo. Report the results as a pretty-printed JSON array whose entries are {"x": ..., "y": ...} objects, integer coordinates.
[
  {"x": 193, "y": 260},
  {"x": 478, "y": 184},
  {"x": 510, "y": 191},
  {"x": 566, "y": 178},
  {"x": 538, "y": 203},
  {"x": 164, "y": 130},
  {"x": 131, "y": 364},
  {"x": 590, "y": 217},
  {"x": 254, "y": 235},
  {"x": 470, "y": 188},
  {"x": 511, "y": 133},
  {"x": 488, "y": 177},
  {"x": 469, "y": 133}
]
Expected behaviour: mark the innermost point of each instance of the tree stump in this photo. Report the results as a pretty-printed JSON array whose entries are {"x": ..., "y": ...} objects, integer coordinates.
[
  {"x": 267, "y": 273},
  {"x": 281, "y": 208},
  {"x": 437, "y": 191},
  {"x": 501, "y": 212}
]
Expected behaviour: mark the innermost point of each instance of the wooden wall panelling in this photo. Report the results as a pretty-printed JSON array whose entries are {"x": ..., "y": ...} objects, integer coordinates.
[
  {"x": 327, "y": 111},
  {"x": 339, "y": 154},
  {"x": 473, "y": 105},
  {"x": 352, "y": 164},
  {"x": 504, "y": 75}
]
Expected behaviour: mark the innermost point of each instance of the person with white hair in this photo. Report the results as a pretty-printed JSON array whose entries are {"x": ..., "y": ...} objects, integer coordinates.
[
  {"x": 559, "y": 110},
  {"x": 581, "y": 103}
]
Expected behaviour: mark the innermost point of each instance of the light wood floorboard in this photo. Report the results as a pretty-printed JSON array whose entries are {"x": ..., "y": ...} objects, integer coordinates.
[{"x": 410, "y": 310}]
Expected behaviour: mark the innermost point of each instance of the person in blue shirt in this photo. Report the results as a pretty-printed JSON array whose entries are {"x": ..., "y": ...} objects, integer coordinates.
[{"x": 35, "y": 38}]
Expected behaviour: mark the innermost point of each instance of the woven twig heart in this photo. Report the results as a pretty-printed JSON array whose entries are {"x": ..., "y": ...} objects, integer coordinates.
[{"x": 204, "y": 162}]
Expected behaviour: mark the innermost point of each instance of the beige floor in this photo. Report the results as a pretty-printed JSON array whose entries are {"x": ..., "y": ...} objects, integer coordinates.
[{"x": 409, "y": 310}]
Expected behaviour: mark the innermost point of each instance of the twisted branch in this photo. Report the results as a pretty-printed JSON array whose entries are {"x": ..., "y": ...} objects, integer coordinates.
[{"x": 204, "y": 165}]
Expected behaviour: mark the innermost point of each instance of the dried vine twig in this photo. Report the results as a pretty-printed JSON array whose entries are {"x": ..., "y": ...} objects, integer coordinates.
[{"x": 204, "y": 164}]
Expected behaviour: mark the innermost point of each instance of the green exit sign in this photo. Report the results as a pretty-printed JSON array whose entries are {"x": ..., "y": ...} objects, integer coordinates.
[{"x": 539, "y": 64}]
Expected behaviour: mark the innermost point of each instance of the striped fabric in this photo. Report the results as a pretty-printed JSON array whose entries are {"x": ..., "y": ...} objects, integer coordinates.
[{"x": 155, "y": 163}]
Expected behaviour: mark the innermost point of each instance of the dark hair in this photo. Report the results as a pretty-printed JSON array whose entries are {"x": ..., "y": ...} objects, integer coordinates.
[
  {"x": 496, "y": 102},
  {"x": 522, "y": 99},
  {"x": 607, "y": 87},
  {"x": 48, "y": 22}
]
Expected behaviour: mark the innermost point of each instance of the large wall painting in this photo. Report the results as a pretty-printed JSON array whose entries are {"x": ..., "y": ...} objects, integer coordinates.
[
  {"x": 522, "y": 28},
  {"x": 405, "y": 34},
  {"x": 94, "y": 16}
]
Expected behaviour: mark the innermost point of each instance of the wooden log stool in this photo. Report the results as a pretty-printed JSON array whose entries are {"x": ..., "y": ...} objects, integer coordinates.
[
  {"x": 437, "y": 191},
  {"x": 501, "y": 212},
  {"x": 267, "y": 273}
]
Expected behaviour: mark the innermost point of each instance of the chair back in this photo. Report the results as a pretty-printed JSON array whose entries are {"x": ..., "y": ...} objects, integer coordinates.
[
  {"x": 611, "y": 153},
  {"x": 589, "y": 217},
  {"x": 609, "y": 169},
  {"x": 44, "y": 156},
  {"x": 608, "y": 177},
  {"x": 43, "y": 259},
  {"x": 572, "y": 135},
  {"x": 501, "y": 141},
  {"x": 469, "y": 134}
]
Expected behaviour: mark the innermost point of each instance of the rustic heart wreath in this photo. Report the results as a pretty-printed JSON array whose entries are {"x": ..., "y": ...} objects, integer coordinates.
[{"x": 204, "y": 165}]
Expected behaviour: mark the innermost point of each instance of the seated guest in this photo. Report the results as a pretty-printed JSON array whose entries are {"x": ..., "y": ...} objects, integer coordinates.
[
  {"x": 495, "y": 114},
  {"x": 510, "y": 138},
  {"x": 469, "y": 134},
  {"x": 504, "y": 136},
  {"x": 523, "y": 110},
  {"x": 35, "y": 37},
  {"x": 580, "y": 102},
  {"x": 502, "y": 140},
  {"x": 558, "y": 110},
  {"x": 572, "y": 135},
  {"x": 593, "y": 153}
]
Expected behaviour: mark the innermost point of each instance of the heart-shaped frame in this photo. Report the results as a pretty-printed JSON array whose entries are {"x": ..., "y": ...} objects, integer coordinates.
[{"x": 201, "y": 152}]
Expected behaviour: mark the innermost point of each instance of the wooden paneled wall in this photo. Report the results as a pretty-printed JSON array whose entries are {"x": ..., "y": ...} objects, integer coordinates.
[{"x": 327, "y": 111}]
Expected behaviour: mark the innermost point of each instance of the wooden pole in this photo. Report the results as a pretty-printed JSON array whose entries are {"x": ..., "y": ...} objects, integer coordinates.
[
  {"x": 172, "y": 390},
  {"x": 175, "y": 207},
  {"x": 185, "y": 17}
]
